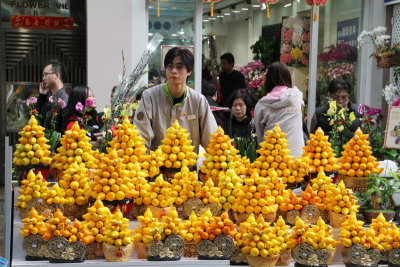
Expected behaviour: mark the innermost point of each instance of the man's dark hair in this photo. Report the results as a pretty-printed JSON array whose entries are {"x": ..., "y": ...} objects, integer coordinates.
[
  {"x": 186, "y": 56},
  {"x": 57, "y": 66},
  {"x": 209, "y": 89},
  {"x": 277, "y": 75},
  {"x": 337, "y": 85},
  {"x": 228, "y": 57}
]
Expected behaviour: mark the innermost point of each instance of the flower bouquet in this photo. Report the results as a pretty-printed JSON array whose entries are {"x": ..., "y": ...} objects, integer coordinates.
[{"x": 254, "y": 74}]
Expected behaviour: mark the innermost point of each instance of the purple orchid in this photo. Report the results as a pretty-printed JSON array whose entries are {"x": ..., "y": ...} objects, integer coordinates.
[
  {"x": 51, "y": 99},
  {"x": 61, "y": 103},
  {"x": 89, "y": 102},
  {"x": 79, "y": 107}
]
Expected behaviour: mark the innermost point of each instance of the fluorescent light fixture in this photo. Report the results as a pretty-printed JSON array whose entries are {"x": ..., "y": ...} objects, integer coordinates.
[
  {"x": 227, "y": 14},
  {"x": 298, "y": 1},
  {"x": 205, "y": 20},
  {"x": 245, "y": 8},
  {"x": 174, "y": 34},
  {"x": 151, "y": 34},
  {"x": 181, "y": 32},
  {"x": 263, "y": 6},
  {"x": 255, "y": 5},
  {"x": 236, "y": 11},
  {"x": 220, "y": 16},
  {"x": 287, "y": 5}
]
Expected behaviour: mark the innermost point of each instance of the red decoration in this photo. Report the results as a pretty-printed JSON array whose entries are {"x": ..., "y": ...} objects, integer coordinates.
[
  {"x": 316, "y": 3},
  {"x": 267, "y": 2},
  {"x": 41, "y": 22},
  {"x": 212, "y": 3}
]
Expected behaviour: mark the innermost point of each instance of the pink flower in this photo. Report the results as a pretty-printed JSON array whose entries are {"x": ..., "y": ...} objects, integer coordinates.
[
  {"x": 51, "y": 99},
  {"x": 61, "y": 103},
  {"x": 79, "y": 107},
  {"x": 89, "y": 102},
  {"x": 297, "y": 39},
  {"x": 306, "y": 37},
  {"x": 396, "y": 103},
  {"x": 285, "y": 48},
  {"x": 285, "y": 58},
  {"x": 287, "y": 35},
  {"x": 305, "y": 60},
  {"x": 306, "y": 48}
]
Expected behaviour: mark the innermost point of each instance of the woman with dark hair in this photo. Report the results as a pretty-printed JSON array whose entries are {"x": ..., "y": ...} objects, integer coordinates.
[
  {"x": 240, "y": 104},
  {"x": 282, "y": 105},
  {"x": 339, "y": 91},
  {"x": 82, "y": 107}
]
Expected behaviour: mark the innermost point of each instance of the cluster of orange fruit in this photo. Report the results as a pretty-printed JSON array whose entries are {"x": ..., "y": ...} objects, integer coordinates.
[
  {"x": 151, "y": 229},
  {"x": 75, "y": 183},
  {"x": 34, "y": 186},
  {"x": 357, "y": 159},
  {"x": 207, "y": 227},
  {"x": 320, "y": 153},
  {"x": 32, "y": 148},
  {"x": 221, "y": 155},
  {"x": 258, "y": 238},
  {"x": 353, "y": 232},
  {"x": 275, "y": 154},
  {"x": 176, "y": 148},
  {"x": 387, "y": 232},
  {"x": 95, "y": 220},
  {"x": 340, "y": 199},
  {"x": 34, "y": 224}
]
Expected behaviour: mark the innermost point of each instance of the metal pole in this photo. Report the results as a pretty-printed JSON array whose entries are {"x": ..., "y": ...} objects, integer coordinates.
[
  {"x": 312, "y": 82},
  {"x": 198, "y": 38}
]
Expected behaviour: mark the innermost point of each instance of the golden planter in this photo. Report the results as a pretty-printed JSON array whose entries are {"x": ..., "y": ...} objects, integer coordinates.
[
  {"x": 357, "y": 184},
  {"x": 258, "y": 261},
  {"x": 117, "y": 254}
]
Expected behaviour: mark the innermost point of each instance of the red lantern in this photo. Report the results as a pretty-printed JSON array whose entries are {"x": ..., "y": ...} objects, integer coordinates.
[
  {"x": 212, "y": 3},
  {"x": 316, "y": 3},
  {"x": 267, "y": 2}
]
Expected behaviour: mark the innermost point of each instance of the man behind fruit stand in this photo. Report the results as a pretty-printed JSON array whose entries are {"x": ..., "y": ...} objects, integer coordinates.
[{"x": 161, "y": 105}]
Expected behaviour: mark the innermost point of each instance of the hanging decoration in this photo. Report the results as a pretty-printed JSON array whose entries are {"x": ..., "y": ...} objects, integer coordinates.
[
  {"x": 267, "y": 3},
  {"x": 158, "y": 6},
  {"x": 212, "y": 3},
  {"x": 316, "y": 3}
]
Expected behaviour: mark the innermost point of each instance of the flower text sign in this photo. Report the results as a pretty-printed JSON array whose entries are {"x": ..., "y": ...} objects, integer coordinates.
[{"x": 41, "y": 22}]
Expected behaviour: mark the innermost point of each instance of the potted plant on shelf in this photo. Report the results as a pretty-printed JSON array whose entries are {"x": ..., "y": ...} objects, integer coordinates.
[{"x": 379, "y": 196}]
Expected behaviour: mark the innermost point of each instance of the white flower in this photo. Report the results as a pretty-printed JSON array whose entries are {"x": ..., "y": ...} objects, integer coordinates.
[{"x": 391, "y": 93}]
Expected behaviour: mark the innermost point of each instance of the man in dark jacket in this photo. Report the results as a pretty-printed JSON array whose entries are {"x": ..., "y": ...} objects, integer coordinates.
[
  {"x": 339, "y": 91},
  {"x": 229, "y": 78},
  {"x": 53, "y": 98}
]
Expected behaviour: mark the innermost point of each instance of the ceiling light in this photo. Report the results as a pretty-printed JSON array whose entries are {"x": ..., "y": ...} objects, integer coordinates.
[
  {"x": 174, "y": 34},
  {"x": 220, "y": 16},
  {"x": 212, "y": 18},
  {"x": 255, "y": 5},
  {"x": 263, "y": 6},
  {"x": 298, "y": 1},
  {"x": 151, "y": 34},
  {"x": 287, "y": 5},
  {"x": 245, "y": 8},
  {"x": 181, "y": 32},
  {"x": 205, "y": 20},
  {"x": 227, "y": 14},
  {"x": 236, "y": 11}
]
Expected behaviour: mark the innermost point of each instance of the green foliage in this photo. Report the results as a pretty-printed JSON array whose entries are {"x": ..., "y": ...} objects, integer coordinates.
[
  {"x": 54, "y": 138},
  {"x": 264, "y": 50},
  {"x": 247, "y": 147},
  {"x": 379, "y": 194}
]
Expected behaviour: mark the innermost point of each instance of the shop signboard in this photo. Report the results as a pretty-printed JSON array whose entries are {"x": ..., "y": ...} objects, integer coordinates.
[
  {"x": 392, "y": 138},
  {"x": 347, "y": 31}
]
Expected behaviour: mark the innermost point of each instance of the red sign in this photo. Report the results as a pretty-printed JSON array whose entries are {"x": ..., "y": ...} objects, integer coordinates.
[{"x": 41, "y": 22}]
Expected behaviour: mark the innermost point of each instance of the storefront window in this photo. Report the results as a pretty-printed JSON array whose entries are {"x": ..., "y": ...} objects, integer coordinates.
[{"x": 175, "y": 23}]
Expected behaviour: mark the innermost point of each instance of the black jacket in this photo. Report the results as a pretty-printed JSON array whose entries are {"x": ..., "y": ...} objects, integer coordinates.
[
  {"x": 241, "y": 128},
  {"x": 320, "y": 119},
  {"x": 229, "y": 83}
]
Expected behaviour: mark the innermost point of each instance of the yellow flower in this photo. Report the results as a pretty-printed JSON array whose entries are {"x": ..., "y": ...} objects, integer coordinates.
[
  {"x": 332, "y": 108},
  {"x": 341, "y": 114},
  {"x": 340, "y": 128},
  {"x": 352, "y": 117},
  {"x": 107, "y": 113},
  {"x": 297, "y": 53}
]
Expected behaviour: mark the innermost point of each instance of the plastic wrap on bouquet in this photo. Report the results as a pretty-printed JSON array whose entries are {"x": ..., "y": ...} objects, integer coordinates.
[
  {"x": 61, "y": 251},
  {"x": 221, "y": 249},
  {"x": 117, "y": 254},
  {"x": 169, "y": 250},
  {"x": 94, "y": 250},
  {"x": 258, "y": 261},
  {"x": 35, "y": 248},
  {"x": 358, "y": 255},
  {"x": 305, "y": 255},
  {"x": 357, "y": 184}
]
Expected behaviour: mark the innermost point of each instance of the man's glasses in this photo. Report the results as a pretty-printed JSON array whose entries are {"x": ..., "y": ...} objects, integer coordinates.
[
  {"x": 177, "y": 67},
  {"x": 47, "y": 73},
  {"x": 338, "y": 97}
]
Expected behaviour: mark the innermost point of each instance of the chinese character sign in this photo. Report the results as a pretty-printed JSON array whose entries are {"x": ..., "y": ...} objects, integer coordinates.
[
  {"x": 347, "y": 32},
  {"x": 41, "y": 22}
]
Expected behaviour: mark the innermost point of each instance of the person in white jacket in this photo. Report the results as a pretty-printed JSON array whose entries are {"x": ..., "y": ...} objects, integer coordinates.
[{"x": 282, "y": 105}]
